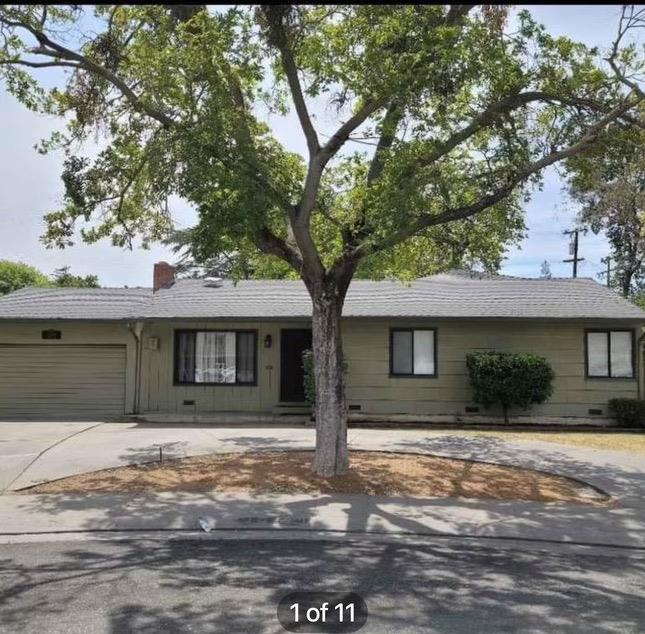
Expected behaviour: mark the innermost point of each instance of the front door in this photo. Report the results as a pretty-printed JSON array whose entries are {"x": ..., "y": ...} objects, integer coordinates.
[{"x": 293, "y": 342}]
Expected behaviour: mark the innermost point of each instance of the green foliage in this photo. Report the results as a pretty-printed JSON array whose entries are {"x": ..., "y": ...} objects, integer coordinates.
[
  {"x": 309, "y": 379},
  {"x": 629, "y": 412},
  {"x": 509, "y": 379},
  {"x": 63, "y": 278},
  {"x": 16, "y": 275},
  {"x": 608, "y": 181},
  {"x": 180, "y": 99}
]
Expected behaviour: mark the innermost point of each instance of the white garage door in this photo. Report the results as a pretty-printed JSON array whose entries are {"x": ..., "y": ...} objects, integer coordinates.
[{"x": 50, "y": 382}]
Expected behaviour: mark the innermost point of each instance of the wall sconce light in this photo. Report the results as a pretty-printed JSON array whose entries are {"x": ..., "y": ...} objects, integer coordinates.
[{"x": 268, "y": 340}]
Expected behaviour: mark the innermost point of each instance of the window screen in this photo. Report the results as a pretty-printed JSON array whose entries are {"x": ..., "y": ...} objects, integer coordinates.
[
  {"x": 610, "y": 354},
  {"x": 413, "y": 352},
  {"x": 621, "y": 354}
]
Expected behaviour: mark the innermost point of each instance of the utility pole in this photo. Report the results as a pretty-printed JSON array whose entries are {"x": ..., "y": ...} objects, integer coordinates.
[
  {"x": 573, "y": 250},
  {"x": 607, "y": 261}
]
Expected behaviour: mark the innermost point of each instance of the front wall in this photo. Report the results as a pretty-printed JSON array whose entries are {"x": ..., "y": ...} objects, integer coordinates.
[
  {"x": 366, "y": 345},
  {"x": 159, "y": 394},
  {"x": 371, "y": 387},
  {"x": 367, "y": 352}
]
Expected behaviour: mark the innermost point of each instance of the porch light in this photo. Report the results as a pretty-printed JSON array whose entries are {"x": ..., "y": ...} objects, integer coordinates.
[{"x": 268, "y": 341}]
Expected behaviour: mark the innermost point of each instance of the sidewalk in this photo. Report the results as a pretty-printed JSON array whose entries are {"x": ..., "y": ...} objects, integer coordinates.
[
  {"x": 50, "y": 514},
  {"x": 620, "y": 474}
]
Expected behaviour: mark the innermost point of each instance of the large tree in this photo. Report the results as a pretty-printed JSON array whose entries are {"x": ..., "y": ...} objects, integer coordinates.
[
  {"x": 455, "y": 115},
  {"x": 608, "y": 181}
]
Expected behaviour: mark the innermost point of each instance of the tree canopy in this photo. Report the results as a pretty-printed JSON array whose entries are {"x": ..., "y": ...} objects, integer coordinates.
[
  {"x": 461, "y": 117},
  {"x": 608, "y": 181},
  {"x": 63, "y": 278},
  {"x": 17, "y": 275}
]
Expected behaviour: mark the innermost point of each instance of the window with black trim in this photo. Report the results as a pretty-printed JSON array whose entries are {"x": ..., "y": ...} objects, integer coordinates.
[
  {"x": 609, "y": 354},
  {"x": 413, "y": 352},
  {"x": 216, "y": 357}
]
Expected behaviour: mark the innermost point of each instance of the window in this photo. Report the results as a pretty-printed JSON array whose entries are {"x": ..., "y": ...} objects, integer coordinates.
[
  {"x": 610, "y": 353},
  {"x": 213, "y": 357},
  {"x": 413, "y": 352}
]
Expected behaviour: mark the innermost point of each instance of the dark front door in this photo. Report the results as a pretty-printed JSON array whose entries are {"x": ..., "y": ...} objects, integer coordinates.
[{"x": 293, "y": 343}]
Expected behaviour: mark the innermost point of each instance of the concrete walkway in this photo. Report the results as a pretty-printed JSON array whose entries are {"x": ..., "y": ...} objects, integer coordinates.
[{"x": 620, "y": 474}]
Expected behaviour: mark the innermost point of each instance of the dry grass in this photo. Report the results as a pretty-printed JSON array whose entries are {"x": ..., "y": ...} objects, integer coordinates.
[
  {"x": 370, "y": 473},
  {"x": 630, "y": 442}
]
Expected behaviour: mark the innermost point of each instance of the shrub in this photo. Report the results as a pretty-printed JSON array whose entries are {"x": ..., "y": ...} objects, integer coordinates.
[
  {"x": 629, "y": 412},
  {"x": 509, "y": 379},
  {"x": 309, "y": 381}
]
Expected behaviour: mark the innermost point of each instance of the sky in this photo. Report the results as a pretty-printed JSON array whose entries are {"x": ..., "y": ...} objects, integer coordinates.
[{"x": 30, "y": 186}]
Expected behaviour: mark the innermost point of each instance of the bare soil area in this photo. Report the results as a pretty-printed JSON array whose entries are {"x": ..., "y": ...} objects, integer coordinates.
[{"x": 370, "y": 473}]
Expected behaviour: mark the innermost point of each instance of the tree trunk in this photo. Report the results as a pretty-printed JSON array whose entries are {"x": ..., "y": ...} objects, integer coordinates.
[{"x": 331, "y": 456}]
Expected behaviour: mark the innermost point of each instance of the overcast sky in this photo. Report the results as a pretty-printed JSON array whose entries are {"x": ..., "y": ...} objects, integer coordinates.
[{"x": 31, "y": 186}]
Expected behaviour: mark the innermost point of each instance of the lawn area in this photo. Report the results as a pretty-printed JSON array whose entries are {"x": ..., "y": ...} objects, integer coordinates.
[
  {"x": 633, "y": 443},
  {"x": 370, "y": 473}
]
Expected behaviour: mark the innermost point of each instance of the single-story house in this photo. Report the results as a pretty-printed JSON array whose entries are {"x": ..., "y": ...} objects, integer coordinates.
[{"x": 213, "y": 350}]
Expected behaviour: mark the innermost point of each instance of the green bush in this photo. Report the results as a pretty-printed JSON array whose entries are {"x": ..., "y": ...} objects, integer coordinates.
[
  {"x": 629, "y": 412},
  {"x": 509, "y": 379},
  {"x": 309, "y": 379}
]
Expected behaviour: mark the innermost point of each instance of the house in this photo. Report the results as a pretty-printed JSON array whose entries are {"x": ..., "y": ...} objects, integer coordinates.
[{"x": 212, "y": 350}]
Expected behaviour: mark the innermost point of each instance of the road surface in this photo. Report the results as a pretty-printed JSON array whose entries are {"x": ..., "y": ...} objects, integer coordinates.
[{"x": 223, "y": 585}]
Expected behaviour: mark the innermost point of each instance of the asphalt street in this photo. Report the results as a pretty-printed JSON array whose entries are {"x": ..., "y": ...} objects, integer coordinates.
[{"x": 219, "y": 585}]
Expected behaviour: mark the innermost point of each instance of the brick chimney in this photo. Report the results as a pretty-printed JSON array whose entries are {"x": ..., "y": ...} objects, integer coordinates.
[{"x": 163, "y": 276}]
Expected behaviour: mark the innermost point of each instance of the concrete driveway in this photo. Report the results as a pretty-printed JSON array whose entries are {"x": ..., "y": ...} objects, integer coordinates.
[
  {"x": 34, "y": 452},
  {"x": 21, "y": 445}
]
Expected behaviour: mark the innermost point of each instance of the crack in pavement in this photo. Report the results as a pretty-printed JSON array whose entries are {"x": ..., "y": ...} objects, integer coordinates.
[{"x": 44, "y": 451}]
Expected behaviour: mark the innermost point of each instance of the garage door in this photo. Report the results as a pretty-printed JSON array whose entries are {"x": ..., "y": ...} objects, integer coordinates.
[{"x": 50, "y": 382}]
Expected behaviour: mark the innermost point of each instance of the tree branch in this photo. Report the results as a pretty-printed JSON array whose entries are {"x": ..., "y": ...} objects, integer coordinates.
[
  {"x": 278, "y": 37},
  {"x": 492, "y": 113},
  {"x": 63, "y": 55},
  {"x": 390, "y": 123},
  {"x": 341, "y": 135},
  {"x": 499, "y": 194},
  {"x": 267, "y": 242}
]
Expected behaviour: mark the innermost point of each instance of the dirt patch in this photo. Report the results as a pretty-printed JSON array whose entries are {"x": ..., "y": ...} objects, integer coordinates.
[
  {"x": 631, "y": 442},
  {"x": 370, "y": 473}
]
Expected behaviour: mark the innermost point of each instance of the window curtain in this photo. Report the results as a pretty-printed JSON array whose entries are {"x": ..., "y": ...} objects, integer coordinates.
[
  {"x": 424, "y": 352},
  {"x": 597, "y": 354},
  {"x": 186, "y": 357},
  {"x": 621, "y": 354},
  {"x": 245, "y": 357},
  {"x": 215, "y": 357}
]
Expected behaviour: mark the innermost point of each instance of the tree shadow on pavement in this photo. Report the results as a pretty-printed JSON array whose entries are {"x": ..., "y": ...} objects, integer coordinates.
[{"x": 235, "y": 586}]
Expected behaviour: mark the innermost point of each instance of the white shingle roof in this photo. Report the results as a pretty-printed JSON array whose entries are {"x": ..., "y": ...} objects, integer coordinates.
[
  {"x": 75, "y": 303},
  {"x": 445, "y": 295}
]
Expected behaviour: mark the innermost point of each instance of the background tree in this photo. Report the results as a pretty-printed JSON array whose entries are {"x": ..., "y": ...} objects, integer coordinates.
[
  {"x": 454, "y": 118},
  {"x": 16, "y": 275},
  {"x": 608, "y": 181},
  {"x": 62, "y": 277},
  {"x": 545, "y": 270}
]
